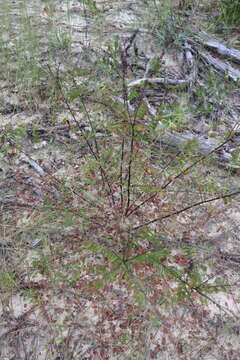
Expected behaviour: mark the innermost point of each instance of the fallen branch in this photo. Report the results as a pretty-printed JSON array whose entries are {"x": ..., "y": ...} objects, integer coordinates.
[
  {"x": 191, "y": 63},
  {"x": 233, "y": 74},
  {"x": 163, "y": 81},
  {"x": 221, "y": 49},
  {"x": 33, "y": 164},
  {"x": 204, "y": 146},
  {"x": 13, "y": 202}
]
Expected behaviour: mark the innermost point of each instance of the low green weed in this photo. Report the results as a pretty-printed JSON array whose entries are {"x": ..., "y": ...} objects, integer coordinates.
[{"x": 229, "y": 12}]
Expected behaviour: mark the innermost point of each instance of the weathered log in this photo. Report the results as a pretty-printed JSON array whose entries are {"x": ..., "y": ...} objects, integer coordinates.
[
  {"x": 163, "y": 81},
  {"x": 232, "y": 73},
  {"x": 221, "y": 49},
  {"x": 190, "y": 64},
  {"x": 204, "y": 147},
  {"x": 33, "y": 164}
]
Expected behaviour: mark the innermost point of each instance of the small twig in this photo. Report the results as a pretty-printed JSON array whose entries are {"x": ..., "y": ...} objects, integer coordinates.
[
  {"x": 130, "y": 41},
  {"x": 42, "y": 172}
]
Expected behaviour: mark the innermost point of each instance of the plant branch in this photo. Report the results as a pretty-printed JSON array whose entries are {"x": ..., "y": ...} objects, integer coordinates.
[
  {"x": 198, "y": 161},
  {"x": 196, "y": 288},
  {"x": 94, "y": 153},
  {"x": 183, "y": 172},
  {"x": 177, "y": 212},
  {"x": 121, "y": 171}
]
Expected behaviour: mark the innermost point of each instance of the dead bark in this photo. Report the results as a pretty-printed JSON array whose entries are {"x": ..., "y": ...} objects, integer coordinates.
[
  {"x": 33, "y": 164},
  {"x": 163, "y": 81},
  {"x": 213, "y": 44},
  {"x": 220, "y": 65},
  {"x": 204, "y": 146}
]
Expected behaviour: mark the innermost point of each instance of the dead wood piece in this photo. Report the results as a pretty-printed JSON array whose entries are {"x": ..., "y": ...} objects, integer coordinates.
[
  {"x": 189, "y": 55},
  {"x": 233, "y": 73},
  {"x": 163, "y": 81},
  {"x": 168, "y": 82},
  {"x": 16, "y": 203},
  {"x": 191, "y": 64},
  {"x": 33, "y": 164},
  {"x": 204, "y": 147},
  {"x": 221, "y": 49},
  {"x": 48, "y": 131}
]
